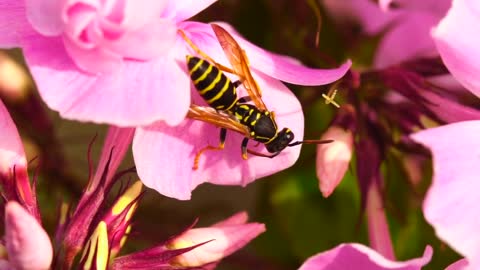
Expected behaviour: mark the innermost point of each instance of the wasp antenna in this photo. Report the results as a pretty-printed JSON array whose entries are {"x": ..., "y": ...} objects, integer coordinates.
[{"x": 311, "y": 142}]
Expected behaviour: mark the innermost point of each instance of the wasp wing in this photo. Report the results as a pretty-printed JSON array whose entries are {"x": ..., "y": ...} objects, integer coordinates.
[
  {"x": 211, "y": 116},
  {"x": 239, "y": 61}
]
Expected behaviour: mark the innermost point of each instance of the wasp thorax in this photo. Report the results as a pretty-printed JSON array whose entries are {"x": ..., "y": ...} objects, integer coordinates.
[{"x": 281, "y": 141}]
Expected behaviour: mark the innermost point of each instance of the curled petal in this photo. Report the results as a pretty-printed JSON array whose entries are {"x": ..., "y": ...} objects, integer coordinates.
[
  {"x": 45, "y": 16},
  {"x": 182, "y": 10},
  {"x": 28, "y": 244},
  {"x": 359, "y": 257},
  {"x": 164, "y": 155},
  {"x": 459, "y": 49},
  {"x": 274, "y": 65},
  {"x": 451, "y": 202},
  {"x": 126, "y": 97}
]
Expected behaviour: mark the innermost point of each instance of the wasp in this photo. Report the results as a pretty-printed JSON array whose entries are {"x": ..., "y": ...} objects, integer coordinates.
[{"x": 227, "y": 110}]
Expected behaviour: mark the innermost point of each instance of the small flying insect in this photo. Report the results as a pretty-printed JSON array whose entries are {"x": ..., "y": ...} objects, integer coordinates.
[{"x": 226, "y": 110}]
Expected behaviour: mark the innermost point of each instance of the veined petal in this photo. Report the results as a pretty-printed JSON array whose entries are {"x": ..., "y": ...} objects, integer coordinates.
[
  {"x": 359, "y": 257},
  {"x": 14, "y": 24},
  {"x": 451, "y": 202},
  {"x": 182, "y": 10},
  {"x": 45, "y": 16},
  {"x": 27, "y": 242},
  {"x": 11, "y": 147},
  {"x": 280, "y": 67},
  {"x": 459, "y": 49},
  {"x": 164, "y": 155},
  {"x": 136, "y": 93}
]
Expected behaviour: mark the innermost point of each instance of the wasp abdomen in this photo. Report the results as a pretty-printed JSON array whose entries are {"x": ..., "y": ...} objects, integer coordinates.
[{"x": 214, "y": 87}]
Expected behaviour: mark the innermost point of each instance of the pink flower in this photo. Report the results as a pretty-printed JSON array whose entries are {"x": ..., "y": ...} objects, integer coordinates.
[
  {"x": 27, "y": 243},
  {"x": 407, "y": 27},
  {"x": 106, "y": 62},
  {"x": 359, "y": 257},
  {"x": 164, "y": 155},
  {"x": 117, "y": 62},
  {"x": 451, "y": 205},
  {"x": 459, "y": 49}
]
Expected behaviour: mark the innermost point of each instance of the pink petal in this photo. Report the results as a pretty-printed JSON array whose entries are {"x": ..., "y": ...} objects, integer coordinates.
[
  {"x": 5, "y": 265},
  {"x": 28, "y": 245},
  {"x": 378, "y": 231},
  {"x": 363, "y": 12},
  {"x": 397, "y": 46},
  {"x": 14, "y": 24},
  {"x": 451, "y": 204},
  {"x": 117, "y": 142},
  {"x": 224, "y": 241},
  {"x": 459, "y": 49},
  {"x": 164, "y": 155},
  {"x": 449, "y": 110},
  {"x": 94, "y": 60},
  {"x": 45, "y": 16},
  {"x": 333, "y": 158},
  {"x": 237, "y": 219},
  {"x": 277, "y": 66},
  {"x": 182, "y": 10},
  {"x": 134, "y": 94},
  {"x": 11, "y": 147},
  {"x": 141, "y": 12},
  {"x": 461, "y": 264},
  {"x": 385, "y": 4},
  {"x": 152, "y": 40},
  {"x": 359, "y": 257}
]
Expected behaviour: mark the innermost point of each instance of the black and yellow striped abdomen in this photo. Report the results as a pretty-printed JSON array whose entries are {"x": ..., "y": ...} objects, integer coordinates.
[{"x": 215, "y": 88}]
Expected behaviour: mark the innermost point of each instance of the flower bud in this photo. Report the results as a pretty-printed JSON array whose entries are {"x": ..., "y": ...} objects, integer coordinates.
[
  {"x": 220, "y": 240},
  {"x": 333, "y": 158},
  {"x": 28, "y": 245}
]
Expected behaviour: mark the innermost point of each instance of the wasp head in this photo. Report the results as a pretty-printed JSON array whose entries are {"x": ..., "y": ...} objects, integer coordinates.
[{"x": 281, "y": 141}]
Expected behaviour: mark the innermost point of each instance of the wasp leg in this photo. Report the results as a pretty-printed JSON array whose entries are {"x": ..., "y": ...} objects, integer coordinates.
[
  {"x": 262, "y": 155},
  {"x": 244, "y": 99},
  {"x": 223, "y": 136},
  {"x": 244, "y": 148},
  {"x": 237, "y": 83}
]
